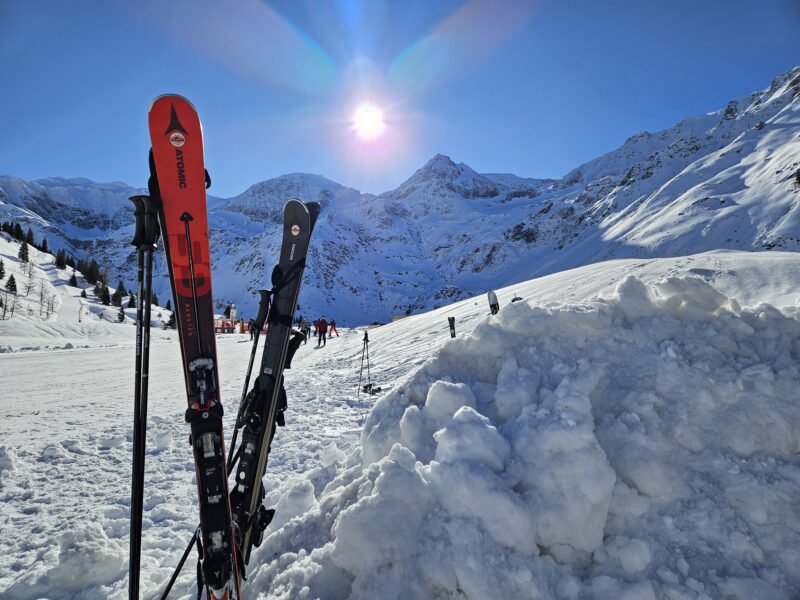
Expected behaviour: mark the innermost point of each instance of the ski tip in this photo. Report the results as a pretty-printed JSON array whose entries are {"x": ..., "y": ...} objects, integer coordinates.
[
  {"x": 292, "y": 202},
  {"x": 171, "y": 97},
  {"x": 313, "y": 210}
]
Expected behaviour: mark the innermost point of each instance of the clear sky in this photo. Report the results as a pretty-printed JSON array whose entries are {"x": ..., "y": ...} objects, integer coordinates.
[{"x": 529, "y": 87}]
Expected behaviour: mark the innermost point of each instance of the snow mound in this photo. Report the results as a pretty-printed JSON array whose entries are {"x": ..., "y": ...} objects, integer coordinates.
[
  {"x": 87, "y": 561},
  {"x": 8, "y": 462},
  {"x": 641, "y": 445}
]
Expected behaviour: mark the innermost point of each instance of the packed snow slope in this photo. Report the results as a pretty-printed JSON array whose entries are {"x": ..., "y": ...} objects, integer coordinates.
[
  {"x": 726, "y": 179},
  {"x": 628, "y": 429}
]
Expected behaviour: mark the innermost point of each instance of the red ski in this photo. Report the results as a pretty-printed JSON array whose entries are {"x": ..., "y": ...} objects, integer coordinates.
[{"x": 180, "y": 180}]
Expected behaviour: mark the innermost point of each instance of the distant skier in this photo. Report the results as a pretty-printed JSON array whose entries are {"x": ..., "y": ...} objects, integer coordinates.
[
  {"x": 494, "y": 305},
  {"x": 322, "y": 329},
  {"x": 304, "y": 329},
  {"x": 251, "y": 325},
  {"x": 333, "y": 329}
]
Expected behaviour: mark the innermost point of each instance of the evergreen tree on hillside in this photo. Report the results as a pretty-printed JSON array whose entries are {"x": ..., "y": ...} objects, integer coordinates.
[
  {"x": 168, "y": 305},
  {"x": 154, "y": 299},
  {"x": 91, "y": 271},
  {"x": 131, "y": 301},
  {"x": 44, "y": 247},
  {"x": 121, "y": 315},
  {"x": 23, "y": 252},
  {"x": 29, "y": 237},
  {"x": 73, "y": 281},
  {"x": 17, "y": 232},
  {"x": 2, "y": 269},
  {"x": 61, "y": 259},
  {"x": 121, "y": 288},
  {"x": 83, "y": 293},
  {"x": 70, "y": 262},
  {"x": 11, "y": 285},
  {"x": 116, "y": 298},
  {"x": 105, "y": 296}
]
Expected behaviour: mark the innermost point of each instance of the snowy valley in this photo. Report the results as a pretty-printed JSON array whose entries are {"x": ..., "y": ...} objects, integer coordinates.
[{"x": 727, "y": 179}]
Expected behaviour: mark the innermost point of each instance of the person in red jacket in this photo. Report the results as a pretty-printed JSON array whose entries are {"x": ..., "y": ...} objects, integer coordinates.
[{"x": 322, "y": 329}]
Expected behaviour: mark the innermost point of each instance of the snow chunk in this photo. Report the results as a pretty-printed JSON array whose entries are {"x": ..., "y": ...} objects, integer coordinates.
[
  {"x": 8, "y": 462},
  {"x": 87, "y": 559}
]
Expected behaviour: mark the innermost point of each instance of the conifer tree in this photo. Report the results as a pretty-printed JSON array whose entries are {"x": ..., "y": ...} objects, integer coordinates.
[
  {"x": 116, "y": 298},
  {"x": 105, "y": 297},
  {"x": 121, "y": 315},
  {"x": 29, "y": 237},
  {"x": 44, "y": 247},
  {"x": 23, "y": 252},
  {"x": 73, "y": 281},
  {"x": 154, "y": 299},
  {"x": 132, "y": 301},
  {"x": 11, "y": 285},
  {"x": 17, "y": 232},
  {"x": 83, "y": 293},
  {"x": 61, "y": 259},
  {"x": 168, "y": 305},
  {"x": 2, "y": 269}
]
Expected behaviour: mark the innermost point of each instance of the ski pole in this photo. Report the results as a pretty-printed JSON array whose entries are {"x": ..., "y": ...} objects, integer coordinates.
[
  {"x": 134, "y": 547},
  {"x": 361, "y": 370},
  {"x": 263, "y": 309},
  {"x": 182, "y": 561}
]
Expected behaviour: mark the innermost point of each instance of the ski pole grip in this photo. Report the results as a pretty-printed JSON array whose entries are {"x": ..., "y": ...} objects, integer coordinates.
[
  {"x": 151, "y": 228},
  {"x": 138, "y": 213},
  {"x": 263, "y": 309}
]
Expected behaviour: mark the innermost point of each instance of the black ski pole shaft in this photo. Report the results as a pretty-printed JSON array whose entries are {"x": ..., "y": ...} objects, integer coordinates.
[
  {"x": 258, "y": 325},
  {"x": 361, "y": 370},
  {"x": 134, "y": 543},
  {"x": 178, "y": 569},
  {"x": 186, "y": 218},
  {"x": 369, "y": 379},
  {"x": 136, "y": 491}
]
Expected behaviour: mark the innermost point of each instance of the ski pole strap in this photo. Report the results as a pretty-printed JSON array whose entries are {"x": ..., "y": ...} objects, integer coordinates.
[{"x": 152, "y": 181}]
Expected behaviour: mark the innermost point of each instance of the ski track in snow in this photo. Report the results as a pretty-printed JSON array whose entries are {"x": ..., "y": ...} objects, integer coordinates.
[{"x": 65, "y": 457}]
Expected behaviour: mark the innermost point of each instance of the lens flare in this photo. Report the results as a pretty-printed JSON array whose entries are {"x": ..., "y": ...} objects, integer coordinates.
[{"x": 368, "y": 121}]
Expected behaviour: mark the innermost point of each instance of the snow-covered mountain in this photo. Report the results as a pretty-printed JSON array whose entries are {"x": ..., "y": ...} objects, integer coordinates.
[{"x": 727, "y": 179}]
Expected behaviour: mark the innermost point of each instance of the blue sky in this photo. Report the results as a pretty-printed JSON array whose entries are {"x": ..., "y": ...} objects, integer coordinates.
[{"x": 532, "y": 88}]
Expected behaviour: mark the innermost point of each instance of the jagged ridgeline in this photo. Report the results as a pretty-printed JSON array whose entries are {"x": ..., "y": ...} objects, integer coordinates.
[{"x": 727, "y": 179}]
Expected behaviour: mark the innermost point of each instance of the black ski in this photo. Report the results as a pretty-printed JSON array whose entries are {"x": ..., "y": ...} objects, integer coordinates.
[{"x": 263, "y": 407}]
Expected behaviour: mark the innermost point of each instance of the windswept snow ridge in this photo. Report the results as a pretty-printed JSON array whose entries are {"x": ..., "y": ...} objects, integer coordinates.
[{"x": 642, "y": 445}]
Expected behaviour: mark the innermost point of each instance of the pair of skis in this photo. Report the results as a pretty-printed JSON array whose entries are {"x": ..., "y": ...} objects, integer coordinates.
[{"x": 230, "y": 522}]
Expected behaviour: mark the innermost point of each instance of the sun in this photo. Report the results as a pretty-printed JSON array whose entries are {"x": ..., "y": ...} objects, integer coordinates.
[{"x": 368, "y": 121}]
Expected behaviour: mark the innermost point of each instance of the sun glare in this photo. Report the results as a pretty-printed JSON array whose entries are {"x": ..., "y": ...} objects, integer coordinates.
[{"x": 368, "y": 121}]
